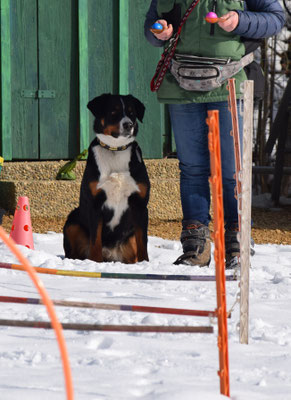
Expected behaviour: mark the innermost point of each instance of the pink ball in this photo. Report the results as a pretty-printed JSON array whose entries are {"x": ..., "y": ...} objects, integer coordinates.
[{"x": 211, "y": 17}]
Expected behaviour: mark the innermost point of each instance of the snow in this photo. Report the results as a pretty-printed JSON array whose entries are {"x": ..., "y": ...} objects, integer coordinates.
[
  {"x": 265, "y": 201},
  {"x": 147, "y": 366}
]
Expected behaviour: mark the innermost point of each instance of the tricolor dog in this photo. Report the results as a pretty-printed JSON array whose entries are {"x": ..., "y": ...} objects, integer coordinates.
[{"x": 111, "y": 221}]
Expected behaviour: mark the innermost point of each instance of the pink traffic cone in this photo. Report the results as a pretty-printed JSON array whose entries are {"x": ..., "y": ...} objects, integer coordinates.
[{"x": 21, "y": 231}]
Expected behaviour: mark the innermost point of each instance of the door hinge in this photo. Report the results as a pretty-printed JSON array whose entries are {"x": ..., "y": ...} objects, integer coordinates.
[
  {"x": 29, "y": 94},
  {"x": 38, "y": 94},
  {"x": 46, "y": 94}
]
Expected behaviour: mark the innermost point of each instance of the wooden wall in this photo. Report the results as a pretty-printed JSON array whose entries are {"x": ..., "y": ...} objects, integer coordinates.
[{"x": 55, "y": 57}]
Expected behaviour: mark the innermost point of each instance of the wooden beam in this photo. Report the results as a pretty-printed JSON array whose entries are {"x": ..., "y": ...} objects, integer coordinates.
[
  {"x": 116, "y": 307},
  {"x": 109, "y": 328},
  {"x": 245, "y": 235},
  {"x": 282, "y": 124},
  {"x": 83, "y": 74},
  {"x": 6, "y": 142},
  {"x": 267, "y": 170},
  {"x": 123, "y": 46},
  {"x": 281, "y": 119}
]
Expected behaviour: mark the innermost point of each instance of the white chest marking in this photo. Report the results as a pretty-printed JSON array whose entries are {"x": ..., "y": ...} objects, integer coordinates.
[{"x": 115, "y": 180}]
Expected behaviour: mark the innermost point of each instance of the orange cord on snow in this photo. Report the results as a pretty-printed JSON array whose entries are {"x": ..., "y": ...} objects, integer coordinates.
[
  {"x": 50, "y": 309},
  {"x": 219, "y": 252}
]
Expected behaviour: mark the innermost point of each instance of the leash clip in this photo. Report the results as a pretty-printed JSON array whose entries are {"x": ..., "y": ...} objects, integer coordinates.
[{"x": 172, "y": 41}]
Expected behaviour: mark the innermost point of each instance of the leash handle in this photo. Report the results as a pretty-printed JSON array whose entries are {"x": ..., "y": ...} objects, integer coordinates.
[{"x": 168, "y": 54}]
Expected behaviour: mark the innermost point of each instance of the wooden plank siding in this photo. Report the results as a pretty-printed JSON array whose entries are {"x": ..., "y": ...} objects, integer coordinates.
[
  {"x": 103, "y": 64},
  {"x": 142, "y": 61},
  {"x": 62, "y": 55},
  {"x": 5, "y": 81},
  {"x": 24, "y": 80},
  {"x": 84, "y": 138},
  {"x": 58, "y": 72}
]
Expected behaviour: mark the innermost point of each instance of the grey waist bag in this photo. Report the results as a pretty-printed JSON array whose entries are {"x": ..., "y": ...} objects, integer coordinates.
[{"x": 203, "y": 73}]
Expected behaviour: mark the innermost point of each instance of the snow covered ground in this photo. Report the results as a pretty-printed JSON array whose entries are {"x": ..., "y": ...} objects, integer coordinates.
[{"x": 147, "y": 366}]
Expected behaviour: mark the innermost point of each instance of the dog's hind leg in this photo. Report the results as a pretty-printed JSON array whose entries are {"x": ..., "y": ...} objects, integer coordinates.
[
  {"x": 141, "y": 243},
  {"x": 95, "y": 250},
  {"x": 128, "y": 251},
  {"x": 140, "y": 222},
  {"x": 139, "y": 213},
  {"x": 76, "y": 242},
  {"x": 76, "y": 237}
]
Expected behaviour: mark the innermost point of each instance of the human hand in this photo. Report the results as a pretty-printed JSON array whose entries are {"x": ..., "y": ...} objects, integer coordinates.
[
  {"x": 229, "y": 21},
  {"x": 167, "y": 31}
]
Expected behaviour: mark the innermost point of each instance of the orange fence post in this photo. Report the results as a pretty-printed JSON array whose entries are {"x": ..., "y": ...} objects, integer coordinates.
[{"x": 219, "y": 252}]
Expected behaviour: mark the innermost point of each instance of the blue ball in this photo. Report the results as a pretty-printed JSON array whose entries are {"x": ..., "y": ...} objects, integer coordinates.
[{"x": 156, "y": 25}]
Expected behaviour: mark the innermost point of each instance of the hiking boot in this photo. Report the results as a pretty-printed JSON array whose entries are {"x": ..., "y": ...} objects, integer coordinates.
[
  {"x": 232, "y": 247},
  {"x": 195, "y": 239}
]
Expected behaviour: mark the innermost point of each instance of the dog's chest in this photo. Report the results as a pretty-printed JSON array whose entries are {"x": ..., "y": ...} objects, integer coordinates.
[{"x": 115, "y": 180}]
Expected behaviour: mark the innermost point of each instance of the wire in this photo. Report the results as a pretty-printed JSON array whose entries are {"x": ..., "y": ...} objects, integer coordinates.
[{"x": 286, "y": 6}]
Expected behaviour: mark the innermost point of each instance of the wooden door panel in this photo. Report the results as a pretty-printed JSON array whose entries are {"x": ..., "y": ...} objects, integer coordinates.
[
  {"x": 142, "y": 61},
  {"x": 103, "y": 50},
  {"x": 58, "y": 78},
  {"x": 24, "y": 80}
]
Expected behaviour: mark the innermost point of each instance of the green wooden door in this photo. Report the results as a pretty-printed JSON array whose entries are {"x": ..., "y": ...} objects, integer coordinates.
[
  {"x": 58, "y": 78},
  {"x": 137, "y": 66},
  {"x": 24, "y": 80},
  {"x": 120, "y": 61},
  {"x": 62, "y": 54},
  {"x": 44, "y": 79},
  {"x": 103, "y": 51}
]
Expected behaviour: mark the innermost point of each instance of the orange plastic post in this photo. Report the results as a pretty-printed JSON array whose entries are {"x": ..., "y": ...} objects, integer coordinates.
[
  {"x": 219, "y": 252},
  {"x": 50, "y": 309}
]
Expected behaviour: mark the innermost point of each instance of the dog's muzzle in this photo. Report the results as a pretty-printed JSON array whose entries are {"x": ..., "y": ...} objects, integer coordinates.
[{"x": 126, "y": 127}]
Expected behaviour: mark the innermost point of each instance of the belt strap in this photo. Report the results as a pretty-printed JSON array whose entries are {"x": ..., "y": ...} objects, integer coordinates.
[{"x": 168, "y": 53}]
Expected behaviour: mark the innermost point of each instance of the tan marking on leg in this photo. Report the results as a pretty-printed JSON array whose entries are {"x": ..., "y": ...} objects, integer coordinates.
[
  {"x": 79, "y": 241},
  {"x": 143, "y": 189},
  {"x": 93, "y": 188},
  {"x": 95, "y": 252},
  {"x": 142, "y": 253},
  {"x": 129, "y": 251}
]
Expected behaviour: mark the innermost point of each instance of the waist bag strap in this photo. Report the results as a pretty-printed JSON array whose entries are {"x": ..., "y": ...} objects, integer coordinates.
[
  {"x": 202, "y": 77},
  {"x": 168, "y": 54}
]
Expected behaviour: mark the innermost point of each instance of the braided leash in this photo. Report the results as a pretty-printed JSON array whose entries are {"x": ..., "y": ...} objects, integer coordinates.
[{"x": 168, "y": 54}]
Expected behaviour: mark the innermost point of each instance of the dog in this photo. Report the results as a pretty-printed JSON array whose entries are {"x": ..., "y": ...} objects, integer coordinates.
[{"x": 111, "y": 221}]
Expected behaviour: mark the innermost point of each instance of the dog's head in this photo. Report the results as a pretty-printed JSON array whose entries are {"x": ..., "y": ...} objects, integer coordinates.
[{"x": 116, "y": 118}]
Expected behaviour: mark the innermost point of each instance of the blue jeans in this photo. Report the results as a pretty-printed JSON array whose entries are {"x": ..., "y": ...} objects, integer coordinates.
[{"x": 191, "y": 137}]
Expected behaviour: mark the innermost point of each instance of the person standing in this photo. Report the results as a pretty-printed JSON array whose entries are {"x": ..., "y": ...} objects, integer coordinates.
[{"x": 227, "y": 44}]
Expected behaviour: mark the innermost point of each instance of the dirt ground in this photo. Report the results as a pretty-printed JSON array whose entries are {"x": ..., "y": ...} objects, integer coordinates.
[{"x": 269, "y": 226}]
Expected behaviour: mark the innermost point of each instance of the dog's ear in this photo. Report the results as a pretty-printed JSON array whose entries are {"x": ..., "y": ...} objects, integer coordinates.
[
  {"x": 98, "y": 105},
  {"x": 139, "y": 107}
]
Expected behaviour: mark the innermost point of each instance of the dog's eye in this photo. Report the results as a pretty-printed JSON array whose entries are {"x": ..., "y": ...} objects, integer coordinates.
[{"x": 113, "y": 112}]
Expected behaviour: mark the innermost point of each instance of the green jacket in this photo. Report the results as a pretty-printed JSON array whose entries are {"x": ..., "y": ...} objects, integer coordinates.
[{"x": 195, "y": 39}]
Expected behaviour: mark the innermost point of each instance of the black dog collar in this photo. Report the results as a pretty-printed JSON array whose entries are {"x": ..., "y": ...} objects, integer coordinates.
[{"x": 120, "y": 148}]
